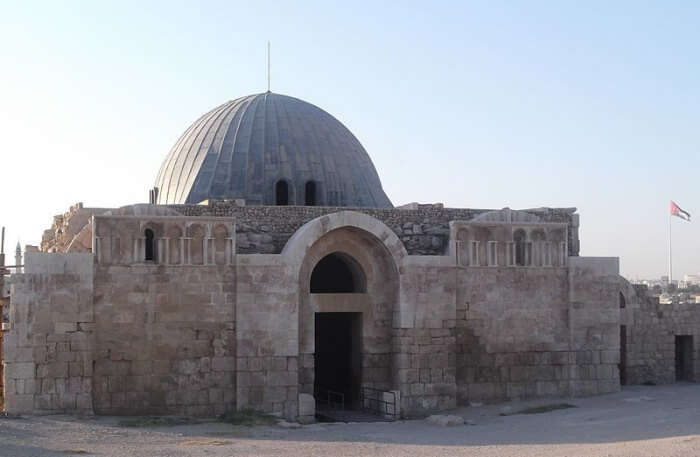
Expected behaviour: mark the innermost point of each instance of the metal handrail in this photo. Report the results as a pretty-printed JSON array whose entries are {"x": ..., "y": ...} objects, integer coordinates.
[
  {"x": 329, "y": 396},
  {"x": 374, "y": 401}
]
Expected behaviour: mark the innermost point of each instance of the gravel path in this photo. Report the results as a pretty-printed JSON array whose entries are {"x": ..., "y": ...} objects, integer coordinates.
[{"x": 639, "y": 421}]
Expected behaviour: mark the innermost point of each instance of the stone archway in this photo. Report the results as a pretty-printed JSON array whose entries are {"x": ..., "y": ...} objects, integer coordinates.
[
  {"x": 373, "y": 254},
  {"x": 338, "y": 273}
]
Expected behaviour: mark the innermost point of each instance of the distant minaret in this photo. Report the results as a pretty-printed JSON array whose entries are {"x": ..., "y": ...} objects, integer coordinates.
[{"x": 18, "y": 258}]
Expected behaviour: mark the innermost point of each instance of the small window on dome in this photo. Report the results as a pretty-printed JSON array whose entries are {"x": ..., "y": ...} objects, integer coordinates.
[
  {"x": 281, "y": 193},
  {"x": 310, "y": 194}
]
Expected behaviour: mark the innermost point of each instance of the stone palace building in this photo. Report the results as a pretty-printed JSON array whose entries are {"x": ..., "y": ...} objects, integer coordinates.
[{"x": 271, "y": 271}]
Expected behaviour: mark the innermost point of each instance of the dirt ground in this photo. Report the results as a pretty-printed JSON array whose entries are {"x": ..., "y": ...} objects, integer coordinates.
[{"x": 639, "y": 421}]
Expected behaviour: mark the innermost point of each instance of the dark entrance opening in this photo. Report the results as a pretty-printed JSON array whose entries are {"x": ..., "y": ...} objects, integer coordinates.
[
  {"x": 684, "y": 358},
  {"x": 310, "y": 194},
  {"x": 337, "y": 273},
  {"x": 623, "y": 355},
  {"x": 337, "y": 361},
  {"x": 519, "y": 240},
  {"x": 281, "y": 193},
  {"x": 150, "y": 254}
]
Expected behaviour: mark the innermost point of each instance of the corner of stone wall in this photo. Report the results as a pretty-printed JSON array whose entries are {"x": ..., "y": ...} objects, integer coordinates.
[
  {"x": 594, "y": 287},
  {"x": 47, "y": 351}
]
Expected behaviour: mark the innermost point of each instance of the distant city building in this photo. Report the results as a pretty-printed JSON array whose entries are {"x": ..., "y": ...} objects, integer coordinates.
[{"x": 693, "y": 280}]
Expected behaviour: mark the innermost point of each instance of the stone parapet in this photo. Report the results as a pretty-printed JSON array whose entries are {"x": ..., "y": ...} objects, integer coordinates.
[{"x": 423, "y": 229}]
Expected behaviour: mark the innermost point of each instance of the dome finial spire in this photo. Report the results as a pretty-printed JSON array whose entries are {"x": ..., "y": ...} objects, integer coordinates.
[{"x": 268, "y": 66}]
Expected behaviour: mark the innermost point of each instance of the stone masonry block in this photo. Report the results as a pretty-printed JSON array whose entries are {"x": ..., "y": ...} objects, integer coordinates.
[
  {"x": 20, "y": 370},
  {"x": 19, "y": 403},
  {"x": 223, "y": 364},
  {"x": 65, "y": 327}
]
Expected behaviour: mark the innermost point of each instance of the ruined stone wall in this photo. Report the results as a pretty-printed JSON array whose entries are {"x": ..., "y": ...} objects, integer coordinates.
[
  {"x": 651, "y": 329},
  {"x": 48, "y": 349},
  {"x": 66, "y": 227},
  {"x": 423, "y": 229},
  {"x": 165, "y": 339},
  {"x": 535, "y": 332}
]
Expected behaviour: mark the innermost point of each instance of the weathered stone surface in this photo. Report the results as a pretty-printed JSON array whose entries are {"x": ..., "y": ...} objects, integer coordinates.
[
  {"x": 423, "y": 229},
  {"x": 307, "y": 405},
  {"x": 203, "y": 327}
]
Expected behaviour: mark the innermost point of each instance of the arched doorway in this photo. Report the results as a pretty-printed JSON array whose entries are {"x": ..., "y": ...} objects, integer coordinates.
[
  {"x": 337, "y": 273},
  {"x": 337, "y": 335},
  {"x": 349, "y": 291}
]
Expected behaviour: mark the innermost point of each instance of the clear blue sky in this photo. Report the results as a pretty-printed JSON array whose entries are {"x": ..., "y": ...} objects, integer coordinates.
[{"x": 490, "y": 104}]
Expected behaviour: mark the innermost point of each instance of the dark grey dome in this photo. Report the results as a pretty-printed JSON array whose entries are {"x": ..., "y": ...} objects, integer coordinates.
[{"x": 270, "y": 149}]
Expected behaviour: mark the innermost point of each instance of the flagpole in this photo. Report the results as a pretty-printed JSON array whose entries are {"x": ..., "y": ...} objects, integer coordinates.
[{"x": 670, "y": 252}]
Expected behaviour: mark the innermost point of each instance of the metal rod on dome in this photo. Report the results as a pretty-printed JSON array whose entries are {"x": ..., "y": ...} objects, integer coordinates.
[
  {"x": 2, "y": 242},
  {"x": 268, "y": 66}
]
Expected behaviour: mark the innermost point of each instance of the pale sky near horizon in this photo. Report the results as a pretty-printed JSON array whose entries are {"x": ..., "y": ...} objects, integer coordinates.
[{"x": 524, "y": 104}]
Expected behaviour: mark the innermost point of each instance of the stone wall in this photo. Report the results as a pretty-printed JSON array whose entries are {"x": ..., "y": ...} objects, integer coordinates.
[
  {"x": 424, "y": 343},
  {"x": 48, "y": 353},
  {"x": 651, "y": 329},
  {"x": 65, "y": 229},
  {"x": 114, "y": 333},
  {"x": 534, "y": 332},
  {"x": 594, "y": 320},
  {"x": 267, "y": 336},
  {"x": 165, "y": 339},
  {"x": 423, "y": 229}
]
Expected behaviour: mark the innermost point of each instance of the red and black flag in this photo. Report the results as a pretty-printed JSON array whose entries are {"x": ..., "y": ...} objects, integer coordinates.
[{"x": 678, "y": 212}]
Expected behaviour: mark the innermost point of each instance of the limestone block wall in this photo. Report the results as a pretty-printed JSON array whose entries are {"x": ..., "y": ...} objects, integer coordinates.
[
  {"x": 47, "y": 352},
  {"x": 267, "y": 336},
  {"x": 512, "y": 333},
  {"x": 651, "y": 329},
  {"x": 425, "y": 360},
  {"x": 594, "y": 288},
  {"x": 534, "y": 332},
  {"x": 165, "y": 339},
  {"x": 168, "y": 317}
]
